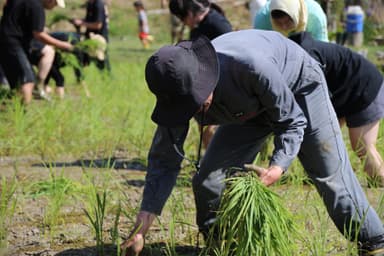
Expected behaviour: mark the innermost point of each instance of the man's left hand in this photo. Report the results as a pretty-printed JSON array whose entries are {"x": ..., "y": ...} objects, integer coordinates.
[{"x": 267, "y": 176}]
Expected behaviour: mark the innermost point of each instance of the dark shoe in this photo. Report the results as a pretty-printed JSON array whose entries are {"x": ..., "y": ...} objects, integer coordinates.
[{"x": 374, "y": 247}]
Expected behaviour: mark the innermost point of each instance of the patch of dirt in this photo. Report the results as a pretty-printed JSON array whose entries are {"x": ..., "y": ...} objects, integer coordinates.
[{"x": 72, "y": 233}]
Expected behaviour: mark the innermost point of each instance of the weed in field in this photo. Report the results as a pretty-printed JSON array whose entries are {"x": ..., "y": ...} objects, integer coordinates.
[
  {"x": 177, "y": 223},
  {"x": 96, "y": 218},
  {"x": 7, "y": 208},
  {"x": 317, "y": 245},
  {"x": 114, "y": 232},
  {"x": 57, "y": 190}
]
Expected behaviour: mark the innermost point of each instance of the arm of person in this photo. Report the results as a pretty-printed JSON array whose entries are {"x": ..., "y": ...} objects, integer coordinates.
[
  {"x": 317, "y": 24},
  {"x": 89, "y": 25},
  {"x": 47, "y": 39},
  {"x": 97, "y": 23},
  {"x": 262, "y": 19},
  {"x": 163, "y": 168},
  {"x": 286, "y": 117}
]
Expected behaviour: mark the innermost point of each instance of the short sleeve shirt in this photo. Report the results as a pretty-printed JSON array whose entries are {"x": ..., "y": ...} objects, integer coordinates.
[
  {"x": 97, "y": 12},
  {"x": 143, "y": 22},
  {"x": 20, "y": 19},
  {"x": 212, "y": 26}
]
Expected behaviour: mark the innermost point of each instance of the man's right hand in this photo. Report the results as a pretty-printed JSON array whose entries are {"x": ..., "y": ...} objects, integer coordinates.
[
  {"x": 133, "y": 246},
  {"x": 135, "y": 242}
]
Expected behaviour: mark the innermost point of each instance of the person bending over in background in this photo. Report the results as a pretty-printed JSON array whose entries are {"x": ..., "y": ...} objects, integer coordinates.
[
  {"x": 203, "y": 18},
  {"x": 142, "y": 19},
  {"x": 288, "y": 16},
  {"x": 357, "y": 94},
  {"x": 251, "y": 92},
  {"x": 96, "y": 21},
  {"x": 23, "y": 20}
]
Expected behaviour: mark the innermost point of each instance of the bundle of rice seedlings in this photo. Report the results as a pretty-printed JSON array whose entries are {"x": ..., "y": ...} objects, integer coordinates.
[
  {"x": 252, "y": 221},
  {"x": 70, "y": 60},
  {"x": 95, "y": 46},
  {"x": 57, "y": 18}
]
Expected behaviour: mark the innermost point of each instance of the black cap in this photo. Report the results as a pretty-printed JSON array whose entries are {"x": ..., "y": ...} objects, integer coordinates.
[{"x": 181, "y": 76}]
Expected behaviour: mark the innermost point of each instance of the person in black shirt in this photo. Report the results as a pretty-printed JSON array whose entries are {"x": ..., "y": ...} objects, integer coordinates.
[
  {"x": 23, "y": 20},
  {"x": 357, "y": 94},
  {"x": 203, "y": 18},
  {"x": 96, "y": 21}
]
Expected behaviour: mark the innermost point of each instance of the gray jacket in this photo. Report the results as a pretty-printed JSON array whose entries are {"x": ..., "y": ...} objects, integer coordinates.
[{"x": 264, "y": 81}]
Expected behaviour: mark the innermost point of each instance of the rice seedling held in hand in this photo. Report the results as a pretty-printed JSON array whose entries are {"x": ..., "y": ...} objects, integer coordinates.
[
  {"x": 251, "y": 221},
  {"x": 58, "y": 17}
]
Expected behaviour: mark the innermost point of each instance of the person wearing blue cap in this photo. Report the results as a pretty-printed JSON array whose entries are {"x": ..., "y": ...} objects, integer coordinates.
[{"x": 250, "y": 92}]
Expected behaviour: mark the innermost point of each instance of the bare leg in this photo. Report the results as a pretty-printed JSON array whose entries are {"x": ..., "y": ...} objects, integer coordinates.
[
  {"x": 45, "y": 64},
  {"x": 26, "y": 92},
  {"x": 60, "y": 92},
  {"x": 363, "y": 141}
]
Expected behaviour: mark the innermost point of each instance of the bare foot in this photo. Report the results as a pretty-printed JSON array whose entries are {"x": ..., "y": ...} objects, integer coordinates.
[{"x": 133, "y": 246}]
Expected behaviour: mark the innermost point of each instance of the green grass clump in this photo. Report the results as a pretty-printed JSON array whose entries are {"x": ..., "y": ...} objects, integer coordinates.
[
  {"x": 97, "y": 220},
  {"x": 252, "y": 221},
  {"x": 7, "y": 208}
]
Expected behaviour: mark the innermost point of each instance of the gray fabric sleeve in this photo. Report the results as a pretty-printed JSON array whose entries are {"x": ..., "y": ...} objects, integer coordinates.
[
  {"x": 287, "y": 118},
  {"x": 163, "y": 167}
]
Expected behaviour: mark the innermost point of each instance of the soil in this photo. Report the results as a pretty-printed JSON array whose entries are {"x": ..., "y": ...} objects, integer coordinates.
[{"x": 73, "y": 233}]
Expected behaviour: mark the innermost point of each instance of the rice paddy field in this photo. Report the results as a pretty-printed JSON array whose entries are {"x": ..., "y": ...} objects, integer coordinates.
[{"x": 72, "y": 171}]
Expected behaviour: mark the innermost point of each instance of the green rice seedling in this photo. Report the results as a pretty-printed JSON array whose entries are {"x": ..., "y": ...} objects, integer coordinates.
[
  {"x": 69, "y": 59},
  {"x": 252, "y": 221},
  {"x": 96, "y": 218},
  {"x": 7, "y": 208},
  {"x": 177, "y": 208},
  {"x": 93, "y": 47},
  {"x": 57, "y": 189},
  {"x": 380, "y": 205},
  {"x": 352, "y": 232},
  {"x": 317, "y": 245},
  {"x": 114, "y": 232},
  {"x": 57, "y": 17},
  {"x": 296, "y": 175}
]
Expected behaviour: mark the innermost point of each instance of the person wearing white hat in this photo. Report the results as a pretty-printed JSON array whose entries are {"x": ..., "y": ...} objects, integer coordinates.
[
  {"x": 288, "y": 16},
  {"x": 22, "y": 21},
  {"x": 60, "y": 3}
]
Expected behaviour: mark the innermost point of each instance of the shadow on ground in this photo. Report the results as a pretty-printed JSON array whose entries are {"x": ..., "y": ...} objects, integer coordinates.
[
  {"x": 155, "y": 249},
  {"x": 113, "y": 162}
]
